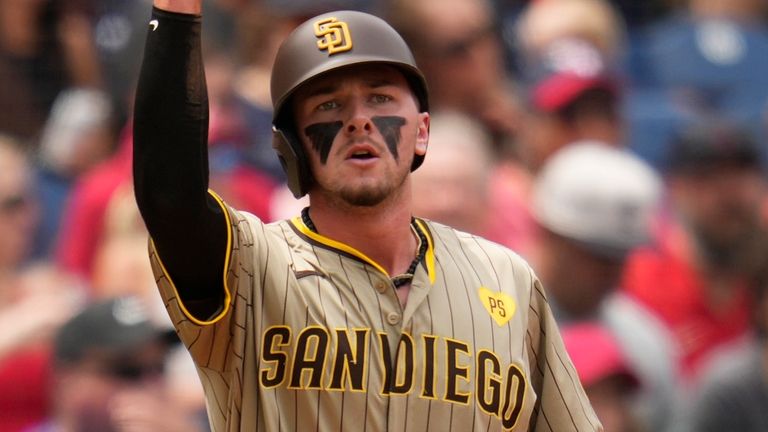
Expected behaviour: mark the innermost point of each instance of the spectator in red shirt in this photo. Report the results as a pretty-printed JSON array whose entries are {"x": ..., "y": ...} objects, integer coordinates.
[
  {"x": 82, "y": 228},
  {"x": 697, "y": 275}
]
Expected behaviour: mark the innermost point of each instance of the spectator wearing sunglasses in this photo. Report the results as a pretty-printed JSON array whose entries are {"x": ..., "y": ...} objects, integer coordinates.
[
  {"x": 109, "y": 373},
  {"x": 459, "y": 49},
  {"x": 31, "y": 307},
  {"x": 18, "y": 216}
]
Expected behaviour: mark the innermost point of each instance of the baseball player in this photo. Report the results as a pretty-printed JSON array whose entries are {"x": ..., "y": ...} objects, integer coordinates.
[{"x": 355, "y": 315}]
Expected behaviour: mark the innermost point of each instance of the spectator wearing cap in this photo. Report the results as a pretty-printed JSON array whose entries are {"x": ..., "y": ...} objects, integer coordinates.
[
  {"x": 572, "y": 93},
  {"x": 607, "y": 377},
  {"x": 594, "y": 204},
  {"x": 697, "y": 275},
  {"x": 108, "y": 373}
]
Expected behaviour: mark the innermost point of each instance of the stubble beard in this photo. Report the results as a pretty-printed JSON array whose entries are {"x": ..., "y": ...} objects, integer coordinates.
[
  {"x": 371, "y": 195},
  {"x": 364, "y": 193},
  {"x": 363, "y": 197}
]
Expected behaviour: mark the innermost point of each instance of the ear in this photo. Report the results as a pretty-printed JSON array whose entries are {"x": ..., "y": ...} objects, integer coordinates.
[{"x": 422, "y": 134}]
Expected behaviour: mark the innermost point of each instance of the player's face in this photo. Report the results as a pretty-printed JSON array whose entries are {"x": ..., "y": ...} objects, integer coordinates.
[{"x": 360, "y": 127}]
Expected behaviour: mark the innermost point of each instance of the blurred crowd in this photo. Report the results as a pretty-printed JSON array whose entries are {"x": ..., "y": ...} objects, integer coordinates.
[{"x": 619, "y": 146}]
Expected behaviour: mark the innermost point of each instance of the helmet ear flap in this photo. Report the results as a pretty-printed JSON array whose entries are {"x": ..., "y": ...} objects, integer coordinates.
[{"x": 294, "y": 162}]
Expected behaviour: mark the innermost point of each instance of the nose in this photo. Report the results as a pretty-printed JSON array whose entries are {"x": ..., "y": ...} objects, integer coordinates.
[
  {"x": 358, "y": 124},
  {"x": 359, "y": 121}
]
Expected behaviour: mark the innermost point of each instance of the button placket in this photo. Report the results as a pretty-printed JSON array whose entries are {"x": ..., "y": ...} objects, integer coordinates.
[
  {"x": 393, "y": 318},
  {"x": 381, "y": 287}
]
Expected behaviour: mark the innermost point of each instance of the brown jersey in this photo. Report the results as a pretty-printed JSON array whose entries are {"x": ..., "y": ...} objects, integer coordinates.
[{"x": 313, "y": 338}]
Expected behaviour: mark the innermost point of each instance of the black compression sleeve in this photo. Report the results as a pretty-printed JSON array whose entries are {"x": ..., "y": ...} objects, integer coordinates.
[{"x": 170, "y": 160}]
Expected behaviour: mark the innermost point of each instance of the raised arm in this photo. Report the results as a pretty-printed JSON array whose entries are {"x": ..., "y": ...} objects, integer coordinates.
[{"x": 170, "y": 160}]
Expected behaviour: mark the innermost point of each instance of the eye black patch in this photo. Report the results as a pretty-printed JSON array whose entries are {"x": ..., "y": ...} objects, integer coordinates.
[
  {"x": 389, "y": 127},
  {"x": 322, "y": 135}
]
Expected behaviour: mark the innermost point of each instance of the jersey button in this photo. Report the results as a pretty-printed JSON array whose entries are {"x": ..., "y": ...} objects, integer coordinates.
[
  {"x": 393, "y": 318},
  {"x": 381, "y": 287}
]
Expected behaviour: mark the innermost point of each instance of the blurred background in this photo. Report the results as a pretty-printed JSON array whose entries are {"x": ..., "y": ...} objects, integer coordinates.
[{"x": 619, "y": 146}]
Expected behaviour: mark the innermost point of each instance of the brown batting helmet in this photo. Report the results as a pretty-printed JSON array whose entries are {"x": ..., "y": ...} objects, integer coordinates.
[{"x": 322, "y": 44}]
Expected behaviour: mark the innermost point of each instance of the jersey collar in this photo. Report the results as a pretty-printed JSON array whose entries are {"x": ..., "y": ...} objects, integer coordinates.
[{"x": 328, "y": 243}]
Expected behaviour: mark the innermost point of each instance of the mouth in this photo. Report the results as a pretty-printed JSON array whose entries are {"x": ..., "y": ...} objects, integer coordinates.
[{"x": 362, "y": 153}]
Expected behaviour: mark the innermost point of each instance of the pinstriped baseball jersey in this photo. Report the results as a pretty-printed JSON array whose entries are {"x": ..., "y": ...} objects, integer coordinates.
[{"x": 314, "y": 338}]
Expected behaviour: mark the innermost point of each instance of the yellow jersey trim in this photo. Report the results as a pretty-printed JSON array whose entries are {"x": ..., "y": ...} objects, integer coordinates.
[
  {"x": 299, "y": 224},
  {"x": 429, "y": 256},
  {"x": 227, "y": 258}
]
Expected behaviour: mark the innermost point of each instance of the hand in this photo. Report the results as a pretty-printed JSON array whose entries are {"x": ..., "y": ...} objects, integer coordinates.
[{"x": 35, "y": 315}]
